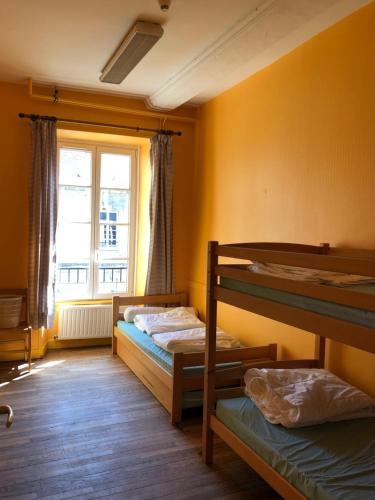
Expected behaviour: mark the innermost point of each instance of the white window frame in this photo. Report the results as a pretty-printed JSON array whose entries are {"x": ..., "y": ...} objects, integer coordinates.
[{"x": 96, "y": 148}]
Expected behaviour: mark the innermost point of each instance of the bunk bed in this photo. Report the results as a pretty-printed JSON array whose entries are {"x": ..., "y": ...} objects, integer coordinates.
[
  {"x": 176, "y": 380},
  {"x": 331, "y": 460}
]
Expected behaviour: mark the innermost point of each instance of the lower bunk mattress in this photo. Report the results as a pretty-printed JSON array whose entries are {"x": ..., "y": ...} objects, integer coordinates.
[
  {"x": 191, "y": 399},
  {"x": 338, "y": 311},
  {"x": 335, "y": 460}
]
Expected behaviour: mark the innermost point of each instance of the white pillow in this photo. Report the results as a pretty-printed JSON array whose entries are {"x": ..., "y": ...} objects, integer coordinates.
[
  {"x": 302, "y": 397},
  {"x": 178, "y": 318},
  {"x": 131, "y": 311}
]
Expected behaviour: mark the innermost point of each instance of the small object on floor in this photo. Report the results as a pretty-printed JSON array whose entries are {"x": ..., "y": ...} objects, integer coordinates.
[{"x": 5, "y": 409}]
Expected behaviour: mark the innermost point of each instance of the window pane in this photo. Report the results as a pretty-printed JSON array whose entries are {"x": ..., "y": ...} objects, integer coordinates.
[
  {"x": 114, "y": 241},
  {"x": 72, "y": 280},
  {"x": 114, "y": 206},
  {"x": 74, "y": 204},
  {"x": 115, "y": 171},
  {"x": 73, "y": 242},
  {"x": 113, "y": 276},
  {"x": 75, "y": 167}
]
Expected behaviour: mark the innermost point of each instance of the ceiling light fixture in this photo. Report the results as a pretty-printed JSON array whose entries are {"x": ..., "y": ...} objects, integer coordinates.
[{"x": 137, "y": 42}]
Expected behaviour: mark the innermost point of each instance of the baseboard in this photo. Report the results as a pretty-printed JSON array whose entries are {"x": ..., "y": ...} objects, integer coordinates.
[{"x": 65, "y": 344}]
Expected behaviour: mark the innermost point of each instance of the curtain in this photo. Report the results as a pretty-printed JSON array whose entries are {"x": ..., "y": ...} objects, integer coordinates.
[
  {"x": 160, "y": 274},
  {"x": 42, "y": 223}
]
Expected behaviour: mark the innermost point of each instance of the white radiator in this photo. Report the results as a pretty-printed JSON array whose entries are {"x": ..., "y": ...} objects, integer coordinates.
[{"x": 85, "y": 322}]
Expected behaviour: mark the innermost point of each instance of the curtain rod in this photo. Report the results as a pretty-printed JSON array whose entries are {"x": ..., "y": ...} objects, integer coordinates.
[{"x": 99, "y": 124}]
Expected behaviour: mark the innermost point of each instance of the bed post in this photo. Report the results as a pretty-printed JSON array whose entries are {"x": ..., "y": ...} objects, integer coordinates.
[
  {"x": 115, "y": 314},
  {"x": 210, "y": 354},
  {"x": 320, "y": 350},
  {"x": 177, "y": 387}
]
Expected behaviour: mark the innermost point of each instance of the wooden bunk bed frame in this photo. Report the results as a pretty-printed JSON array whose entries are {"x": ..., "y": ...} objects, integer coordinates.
[
  {"x": 168, "y": 387},
  {"x": 360, "y": 262}
]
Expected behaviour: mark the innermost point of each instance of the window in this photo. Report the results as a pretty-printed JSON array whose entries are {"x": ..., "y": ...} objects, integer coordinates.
[{"x": 95, "y": 241}]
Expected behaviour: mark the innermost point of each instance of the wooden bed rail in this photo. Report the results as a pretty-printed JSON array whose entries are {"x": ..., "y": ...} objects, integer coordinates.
[
  {"x": 362, "y": 263},
  {"x": 250, "y": 355},
  {"x": 228, "y": 356},
  {"x": 325, "y": 326},
  {"x": 238, "y": 372},
  {"x": 323, "y": 248}
]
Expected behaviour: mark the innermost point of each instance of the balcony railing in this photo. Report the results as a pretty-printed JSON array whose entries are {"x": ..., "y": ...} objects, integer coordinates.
[{"x": 78, "y": 274}]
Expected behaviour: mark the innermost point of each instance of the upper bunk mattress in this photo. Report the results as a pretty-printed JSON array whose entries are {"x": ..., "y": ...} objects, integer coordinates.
[
  {"x": 335, "y": 460},
  {"x": 339, "y": 311}
]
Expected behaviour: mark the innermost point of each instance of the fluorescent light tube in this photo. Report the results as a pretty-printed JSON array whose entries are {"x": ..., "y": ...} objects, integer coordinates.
[{"x": 138, "y": 41}]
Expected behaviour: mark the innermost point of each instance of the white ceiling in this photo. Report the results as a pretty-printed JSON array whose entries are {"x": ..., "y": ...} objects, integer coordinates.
[{"x": 207, "y": 46}]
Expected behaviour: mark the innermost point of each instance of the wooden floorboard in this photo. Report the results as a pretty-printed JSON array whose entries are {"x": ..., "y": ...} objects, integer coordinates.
[{"x": 85, "y": 427}]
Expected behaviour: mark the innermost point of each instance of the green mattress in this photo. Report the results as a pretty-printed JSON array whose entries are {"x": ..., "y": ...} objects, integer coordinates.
[
  {"x": 144, "y": 341},
  {"x": 337, "y": 311},
  {"x": 335, "y": 460},
  {"x": 191, "y": 399}
]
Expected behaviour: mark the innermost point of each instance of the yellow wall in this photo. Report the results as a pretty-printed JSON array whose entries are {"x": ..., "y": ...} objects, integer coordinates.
[
  {"x": 14, "y": 165},
  {"x": 289, "y": 155}
]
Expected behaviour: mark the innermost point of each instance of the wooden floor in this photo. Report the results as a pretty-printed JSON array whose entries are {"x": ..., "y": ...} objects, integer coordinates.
[{"x": 85, "y": 427}]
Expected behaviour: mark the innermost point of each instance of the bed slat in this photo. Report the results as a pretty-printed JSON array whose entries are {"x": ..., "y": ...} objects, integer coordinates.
[
  {"x": 230, "y": 355},
  {"x": 237, "y": 372}
]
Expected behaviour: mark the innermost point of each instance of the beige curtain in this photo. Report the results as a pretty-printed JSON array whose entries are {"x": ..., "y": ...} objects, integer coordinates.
[
  {"x": 160, "y": 274},
  {"x": 42, "y": 222}
]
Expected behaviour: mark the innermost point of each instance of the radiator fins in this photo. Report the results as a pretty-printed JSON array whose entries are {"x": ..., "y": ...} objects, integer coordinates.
[{"x": 85, "y": 322}]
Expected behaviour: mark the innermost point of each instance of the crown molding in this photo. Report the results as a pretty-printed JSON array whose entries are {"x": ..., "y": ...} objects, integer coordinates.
[
  {"x": 271, "y": 30},
  {"x": 174, "y": 86}
]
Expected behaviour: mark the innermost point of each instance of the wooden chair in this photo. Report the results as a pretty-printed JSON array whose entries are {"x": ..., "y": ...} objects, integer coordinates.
[{"x": 9, "y": 336}]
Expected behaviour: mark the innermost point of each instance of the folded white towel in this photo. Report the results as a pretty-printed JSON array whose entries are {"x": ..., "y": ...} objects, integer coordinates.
[
  {"x": 193, "y": 340},
  {"x": 302, "y": 397},
  {"x": 179, "y": 318}
]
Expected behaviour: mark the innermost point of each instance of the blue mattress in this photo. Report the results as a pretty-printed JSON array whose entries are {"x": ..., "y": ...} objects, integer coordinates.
[
  {"x": 337, "y": 311},
  {"x": 335, "y": 460},
  {"x": 144, "y": 341},
  {"x": 191, "y": 399}
]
